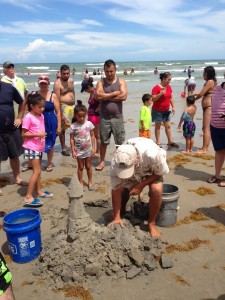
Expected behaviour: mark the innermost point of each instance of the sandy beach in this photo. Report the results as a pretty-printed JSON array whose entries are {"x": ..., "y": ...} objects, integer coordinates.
[{"x": 195, "y": 244}]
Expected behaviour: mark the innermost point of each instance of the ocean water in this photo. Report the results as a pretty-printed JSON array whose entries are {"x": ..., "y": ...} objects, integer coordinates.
[
  {"x": 138, "y": 84},
  {"x": 143, "y": 78}
]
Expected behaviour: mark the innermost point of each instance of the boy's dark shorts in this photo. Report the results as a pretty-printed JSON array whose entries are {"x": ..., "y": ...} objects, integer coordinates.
[{"x": 11, "y": 145}]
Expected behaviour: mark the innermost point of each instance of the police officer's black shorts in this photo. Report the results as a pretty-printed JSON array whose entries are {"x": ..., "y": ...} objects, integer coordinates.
[{"x": 11, "y": 145}]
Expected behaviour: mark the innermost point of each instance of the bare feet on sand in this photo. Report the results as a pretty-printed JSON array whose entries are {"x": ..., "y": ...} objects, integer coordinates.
[
  {"x": 202, "y": 151},
  {"x": 186, "y": 151},
  {"x": 153, "y": 231}
]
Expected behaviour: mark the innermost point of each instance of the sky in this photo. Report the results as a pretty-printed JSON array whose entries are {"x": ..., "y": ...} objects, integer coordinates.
[{"x": 35, "y": 31}]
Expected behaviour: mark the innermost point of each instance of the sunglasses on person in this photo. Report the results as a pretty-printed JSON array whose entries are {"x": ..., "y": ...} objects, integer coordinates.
[{"x": 10, "y": 67}]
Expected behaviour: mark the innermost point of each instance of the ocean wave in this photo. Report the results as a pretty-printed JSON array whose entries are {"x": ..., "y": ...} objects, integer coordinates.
[
  {"x": 37, "y": 68},
  {"x": 35, "y": 74},
  {"x": 53, "y": 70},
  {"x": 133, "y": 80},
  {"x": 211, "y": 63},
  {"x": 96, "y": 64},
  {"x": 179, "y": 78}
]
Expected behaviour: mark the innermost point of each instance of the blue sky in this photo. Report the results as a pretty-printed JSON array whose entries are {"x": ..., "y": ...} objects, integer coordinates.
[{"x": 124, "y": 30}]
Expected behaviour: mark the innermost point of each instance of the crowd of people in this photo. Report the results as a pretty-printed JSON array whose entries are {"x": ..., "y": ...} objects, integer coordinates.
[
  {"x": 138, "y": 162},
  {"x": 55, "y": 111},
  {"x": 104, "y": 112}
]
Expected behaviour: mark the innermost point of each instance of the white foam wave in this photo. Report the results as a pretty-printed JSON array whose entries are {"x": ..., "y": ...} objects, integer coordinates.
[
  {"x": 34, "y": 74},
  {"x": 96, "y": 64},
  {"x": 133, "y": 80},
  {"x": 211, "y": 63},
  {"x": 38, "y": 68},
  {"x": 179, "y": 78}
]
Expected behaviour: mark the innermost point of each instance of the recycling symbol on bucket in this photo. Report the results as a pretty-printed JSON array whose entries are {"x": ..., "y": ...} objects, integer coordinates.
[{"x": 12, "y": 248}]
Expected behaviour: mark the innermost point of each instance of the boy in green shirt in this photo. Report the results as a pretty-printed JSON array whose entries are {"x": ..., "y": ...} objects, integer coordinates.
[{"x": 145, "y": 117}]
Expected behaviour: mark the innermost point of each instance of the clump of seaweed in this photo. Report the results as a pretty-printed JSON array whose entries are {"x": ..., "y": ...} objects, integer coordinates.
[
  {"x": 187, "y": 246},
  {"x": 195, "y": 216},
  {"x": 51, "y": 181},
  {"x": 203, "y": 156},
  {"x": 100, "y": 189},
  {"x": 216, "y": 228},
  {"x": 202, "y": 191},
  {"x": 180, "y": 279},
  {"x": 77, "y": 291},
  {"x": 222, "y": 206},
  {"x": 179, "y": 159}
]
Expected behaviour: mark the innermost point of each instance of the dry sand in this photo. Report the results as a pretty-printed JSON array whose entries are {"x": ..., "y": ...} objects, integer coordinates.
[{"x": 196, "y": 244}]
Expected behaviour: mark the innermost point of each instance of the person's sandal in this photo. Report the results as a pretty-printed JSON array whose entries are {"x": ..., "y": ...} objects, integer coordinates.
[
  {"x": 213, "y": 179},
  {"x": 173, "y": 145},
  {"x": 65, "y": 153},
  {"x": 49, "y": 168}
]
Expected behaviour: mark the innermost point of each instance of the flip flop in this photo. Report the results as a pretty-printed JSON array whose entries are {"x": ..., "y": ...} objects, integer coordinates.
[
  {"x": 34, "y": 203},
  {"x": 46, "y": 195},
  {"x": 99, "y": 168},
  {"x": 49, "y": 168},
  {"x": 96, "y": 155},
  {"x": 22, "y": 183},
  {"x": 91, "y": 188},
  {"x": 1, "y": 192},
  {"x": 222, "y": 184},
  {"x": 26, "y": 167},
  {"x": 65, "y": 153},
  {"x": 173, "y": 145},
  {"x": 213, "y": 179}
]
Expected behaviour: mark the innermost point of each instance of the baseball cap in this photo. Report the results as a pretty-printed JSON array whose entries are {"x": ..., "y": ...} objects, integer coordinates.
[
  {"x": 84, "y": 85},
  {"x": 43, "y": 78},
  {"x": 6, "y": 64},
  {"x": 125, "y": 157}
]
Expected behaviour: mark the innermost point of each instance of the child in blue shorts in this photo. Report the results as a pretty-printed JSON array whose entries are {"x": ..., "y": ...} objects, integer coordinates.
[{"x": 189, "y": 126}]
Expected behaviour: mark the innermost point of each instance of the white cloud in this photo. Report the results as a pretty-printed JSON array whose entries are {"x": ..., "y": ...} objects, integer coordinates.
[
  {"x": 131, "y": 29},
  {"x": 46, "y": 28},
  {"x": 40, "y": 47},
  {"x": 26, "y": 4},
  {"x": 91, "y": 22}
]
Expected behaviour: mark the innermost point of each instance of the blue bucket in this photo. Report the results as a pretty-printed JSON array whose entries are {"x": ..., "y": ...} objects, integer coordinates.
[{"x": 23, "y": 233}]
